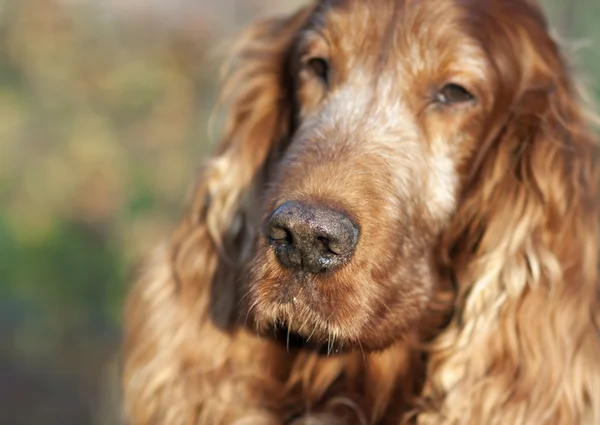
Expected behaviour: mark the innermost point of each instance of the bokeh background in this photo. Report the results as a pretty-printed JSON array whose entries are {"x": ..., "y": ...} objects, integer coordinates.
[{"x": 103, "y": 112}]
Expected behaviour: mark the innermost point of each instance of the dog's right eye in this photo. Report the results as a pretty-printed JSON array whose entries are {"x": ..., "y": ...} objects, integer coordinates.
[
  {"x": 452, "y": 94},
  {"x": 320, "y": 68}
]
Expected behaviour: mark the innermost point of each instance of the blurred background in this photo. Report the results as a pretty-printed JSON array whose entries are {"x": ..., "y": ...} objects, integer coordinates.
[{"x": 103, "y": 111}]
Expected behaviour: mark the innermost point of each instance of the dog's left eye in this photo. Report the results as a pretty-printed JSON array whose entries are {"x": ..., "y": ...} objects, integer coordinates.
[
  {"x": 319, "y": 67},
  {"x": 452, "y": 94}
]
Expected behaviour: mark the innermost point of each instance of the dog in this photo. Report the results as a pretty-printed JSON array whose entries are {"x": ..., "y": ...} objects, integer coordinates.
[{"x": 398, "y": 225}]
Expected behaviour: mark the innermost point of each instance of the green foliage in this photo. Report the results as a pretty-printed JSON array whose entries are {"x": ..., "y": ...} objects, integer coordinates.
[{"x": 102, "y": 127}]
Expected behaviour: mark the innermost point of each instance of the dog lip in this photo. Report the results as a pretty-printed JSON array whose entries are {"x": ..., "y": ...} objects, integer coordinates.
[{"x": 293, "y": 340}]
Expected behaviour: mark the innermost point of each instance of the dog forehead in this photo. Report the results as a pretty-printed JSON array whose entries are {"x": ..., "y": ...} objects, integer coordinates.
[
  {"x": 400, "y": 35},
  {"x": 383, "y": 20}
]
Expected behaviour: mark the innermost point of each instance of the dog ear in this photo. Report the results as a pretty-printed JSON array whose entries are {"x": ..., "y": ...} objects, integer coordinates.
[
  {"x": 258, "y": 110},
  {"x": 523, "y": 344},
  {"x": 179, "y": 350}
]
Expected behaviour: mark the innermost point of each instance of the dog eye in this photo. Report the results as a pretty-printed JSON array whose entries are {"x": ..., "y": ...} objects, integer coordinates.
[
  {"x": 452, "y": 94},
  {"x": 319, "y": 67}
]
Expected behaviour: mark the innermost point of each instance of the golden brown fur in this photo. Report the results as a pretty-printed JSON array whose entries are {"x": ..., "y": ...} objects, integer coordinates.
[{"x": 472, "y": 297}]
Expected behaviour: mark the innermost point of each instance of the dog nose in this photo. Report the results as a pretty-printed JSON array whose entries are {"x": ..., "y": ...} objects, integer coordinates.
[{"x": 310, "y": 237}]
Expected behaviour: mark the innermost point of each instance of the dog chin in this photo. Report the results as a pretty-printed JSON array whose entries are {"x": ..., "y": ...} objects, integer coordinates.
[
  {"x": 315, "y": 336},
  {"x": 320, "y": 344}
]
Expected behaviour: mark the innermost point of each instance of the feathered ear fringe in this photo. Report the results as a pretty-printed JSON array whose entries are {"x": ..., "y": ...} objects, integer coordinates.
[
  {"x": 523, "y": 345},
  {"x": 179, "y": 333}
]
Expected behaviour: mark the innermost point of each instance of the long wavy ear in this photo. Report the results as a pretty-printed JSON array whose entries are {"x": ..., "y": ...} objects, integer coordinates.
[
  {"x": 184, "y": 360},
  {"x": 524, "y": 344}
]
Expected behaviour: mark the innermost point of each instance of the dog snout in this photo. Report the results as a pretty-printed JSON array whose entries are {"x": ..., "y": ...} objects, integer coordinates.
[{"x": 312, "y": 238}]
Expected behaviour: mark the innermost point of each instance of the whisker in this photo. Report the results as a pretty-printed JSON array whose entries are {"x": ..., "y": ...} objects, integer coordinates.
[
  {"x": 287, "y": 339},
  {"x": 335, "y": 335},
  {"x": 303, "y": 324},
  {"x": 331, "y": 315},
  {"x": 237, "y": 305},
  {"x": 363, "y": 353},
  {"x": 311, "y": 334},
  {"x": 254, "y": 304}
]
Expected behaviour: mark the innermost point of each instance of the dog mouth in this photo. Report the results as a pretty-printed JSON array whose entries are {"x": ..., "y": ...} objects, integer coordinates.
[
  {"x": 305, "y": 311},
  {"x": 296, "y": 324},
  {"x": 294, "y": 341}
]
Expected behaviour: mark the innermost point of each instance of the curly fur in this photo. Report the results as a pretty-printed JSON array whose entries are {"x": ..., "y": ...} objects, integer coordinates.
[{"x": 473, "y": 295}]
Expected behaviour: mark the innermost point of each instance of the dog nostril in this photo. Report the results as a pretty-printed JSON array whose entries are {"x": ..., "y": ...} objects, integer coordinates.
[
  {"x": 312, "y": 238},
  {"x": 280, "y": 234},
  {"x": 323, "y": 241},
  {"x": 325, "y": 244}
]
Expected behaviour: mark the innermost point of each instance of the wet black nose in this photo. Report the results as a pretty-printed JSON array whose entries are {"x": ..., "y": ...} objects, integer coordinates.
[{"x": 310, "y": 237}]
